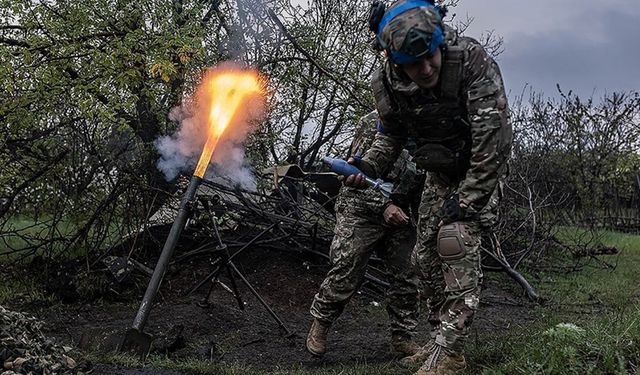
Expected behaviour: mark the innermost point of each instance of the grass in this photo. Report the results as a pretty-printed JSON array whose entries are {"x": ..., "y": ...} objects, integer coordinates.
[
  {"x": 204, "y": 367},
  {"x": 21, "y": 291},
  {"x": 21, "y": 233},
  {"x": 590, "y": 323},
  {"x": 25, "y": 227}
]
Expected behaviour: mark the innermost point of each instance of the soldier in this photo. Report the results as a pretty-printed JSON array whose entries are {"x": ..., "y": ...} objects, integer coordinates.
[
  {"x": 368, "y": 222},
  {"x": 446, "y": 93}
]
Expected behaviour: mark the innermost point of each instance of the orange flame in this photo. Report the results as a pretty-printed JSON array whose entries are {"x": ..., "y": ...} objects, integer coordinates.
[{"x": 224, "y": 92}]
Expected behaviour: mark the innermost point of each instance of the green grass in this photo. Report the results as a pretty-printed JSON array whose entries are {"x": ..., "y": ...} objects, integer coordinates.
[
  {"x": 25, "y": 227},
  {"x": 21, "y": 232},
  {"x": 590, "y": 323},
  {"x": 201, "y": 366},
  {"x": 18, "y": 292}
]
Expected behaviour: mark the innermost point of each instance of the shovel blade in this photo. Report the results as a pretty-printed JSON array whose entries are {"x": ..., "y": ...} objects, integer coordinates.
[{"x": 137, "y": 342}]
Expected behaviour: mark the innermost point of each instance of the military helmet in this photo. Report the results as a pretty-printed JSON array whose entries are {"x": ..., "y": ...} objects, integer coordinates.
[{"x": 410, "y": 29}]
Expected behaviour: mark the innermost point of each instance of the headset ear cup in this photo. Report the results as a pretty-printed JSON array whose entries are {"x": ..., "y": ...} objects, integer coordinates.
[{"x": 375, "y": 15}]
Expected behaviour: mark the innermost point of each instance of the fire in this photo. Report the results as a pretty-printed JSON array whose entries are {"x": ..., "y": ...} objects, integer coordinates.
[{"x": 224, "y": 92}]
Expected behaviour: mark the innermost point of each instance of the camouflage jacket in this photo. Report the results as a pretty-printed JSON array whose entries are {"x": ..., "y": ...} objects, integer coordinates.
[
  {"x": 407, "y": 181},
  {"x": 407, "y": 186},
  {"x": 466, "y": 116}
]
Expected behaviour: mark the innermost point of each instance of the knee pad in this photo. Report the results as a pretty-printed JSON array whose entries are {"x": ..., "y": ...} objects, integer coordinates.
[{"x": 451, "y": 238}]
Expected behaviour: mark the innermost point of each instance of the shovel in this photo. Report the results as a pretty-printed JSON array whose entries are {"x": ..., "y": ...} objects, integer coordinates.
[{"x": 135, "y": 340}]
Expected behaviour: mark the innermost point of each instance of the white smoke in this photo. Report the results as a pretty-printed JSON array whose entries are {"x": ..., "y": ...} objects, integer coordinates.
[
  {"x": 234, "y": 171},
  {"x": 179, "y": 152}
]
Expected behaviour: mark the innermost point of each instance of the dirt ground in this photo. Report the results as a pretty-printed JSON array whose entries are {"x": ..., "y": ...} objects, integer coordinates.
[{"x": 221, "y": 332}]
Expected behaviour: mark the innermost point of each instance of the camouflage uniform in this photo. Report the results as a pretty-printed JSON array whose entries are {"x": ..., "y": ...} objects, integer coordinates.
[
  {"x": 360, "y": 231},
  {"x": 463, "y": 140}
]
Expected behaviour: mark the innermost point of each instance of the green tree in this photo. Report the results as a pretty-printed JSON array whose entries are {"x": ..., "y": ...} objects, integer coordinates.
[{"x": 86, "y": 89}]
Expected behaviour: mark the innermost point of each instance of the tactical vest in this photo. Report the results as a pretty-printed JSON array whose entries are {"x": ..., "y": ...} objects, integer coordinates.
[{"x": 437, "y": 122}]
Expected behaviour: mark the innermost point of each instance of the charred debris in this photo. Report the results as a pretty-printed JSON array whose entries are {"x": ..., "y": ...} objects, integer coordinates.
[{"x": 292, "y": 213}]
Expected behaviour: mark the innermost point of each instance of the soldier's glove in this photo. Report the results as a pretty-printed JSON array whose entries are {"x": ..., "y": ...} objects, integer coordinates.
[{"x": 451, "y": 210}]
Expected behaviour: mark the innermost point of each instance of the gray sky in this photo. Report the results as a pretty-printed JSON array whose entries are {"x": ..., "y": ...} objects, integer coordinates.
[{"x": 583, "y": 45}]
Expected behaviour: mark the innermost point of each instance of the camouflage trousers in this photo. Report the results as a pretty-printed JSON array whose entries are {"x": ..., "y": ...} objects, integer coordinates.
[
  {"x": 452, "y": 286},
  {"x": 359, "y": 233}
]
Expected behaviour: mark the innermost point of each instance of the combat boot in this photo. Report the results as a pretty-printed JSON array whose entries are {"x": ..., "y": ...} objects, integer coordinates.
[
  {"x": 317, "y": 337},
  {"x": 403, "y": 345},
  {"x": 420, "y": 356},
  {"x": 441, "y": 362}
]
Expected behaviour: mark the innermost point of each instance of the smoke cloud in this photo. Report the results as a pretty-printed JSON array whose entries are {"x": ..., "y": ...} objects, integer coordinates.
[{"x": 180, "y": 151}]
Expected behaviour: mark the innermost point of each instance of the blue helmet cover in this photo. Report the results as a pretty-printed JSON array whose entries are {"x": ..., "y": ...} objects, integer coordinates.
[{"x": 437, "y": 37}]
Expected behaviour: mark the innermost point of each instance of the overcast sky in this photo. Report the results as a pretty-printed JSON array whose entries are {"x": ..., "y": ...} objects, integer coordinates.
[{"x": 583, "y": 45}]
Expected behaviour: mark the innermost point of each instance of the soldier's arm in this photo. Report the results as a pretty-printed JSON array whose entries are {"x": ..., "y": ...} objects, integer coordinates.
[
  {"x": 403, "y": 176},
  {"x": 491, "y": 132},
  {"x": 383, "y": 152}
]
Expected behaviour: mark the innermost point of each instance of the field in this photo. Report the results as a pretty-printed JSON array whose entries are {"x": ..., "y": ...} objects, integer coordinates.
[{"x": 588, "y": 322}]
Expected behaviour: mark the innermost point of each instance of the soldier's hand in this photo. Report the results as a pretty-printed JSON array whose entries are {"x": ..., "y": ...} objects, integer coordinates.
[
  {"x": 395, "y": 216},
  {"x": 451, "y": 210},
  {"x": 355, "y": 180}
]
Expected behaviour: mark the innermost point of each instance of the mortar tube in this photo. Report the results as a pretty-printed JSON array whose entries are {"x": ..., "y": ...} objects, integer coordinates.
[{"x": 165, "y": 256}]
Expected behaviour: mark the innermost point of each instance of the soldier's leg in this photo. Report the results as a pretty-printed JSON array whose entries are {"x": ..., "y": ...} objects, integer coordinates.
[
  {"x": 459, "y": 248},
  {"x": 402, "y": 301},
  {"x": 425, "y": 255},
  {"x": 353, "y": 242}
]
